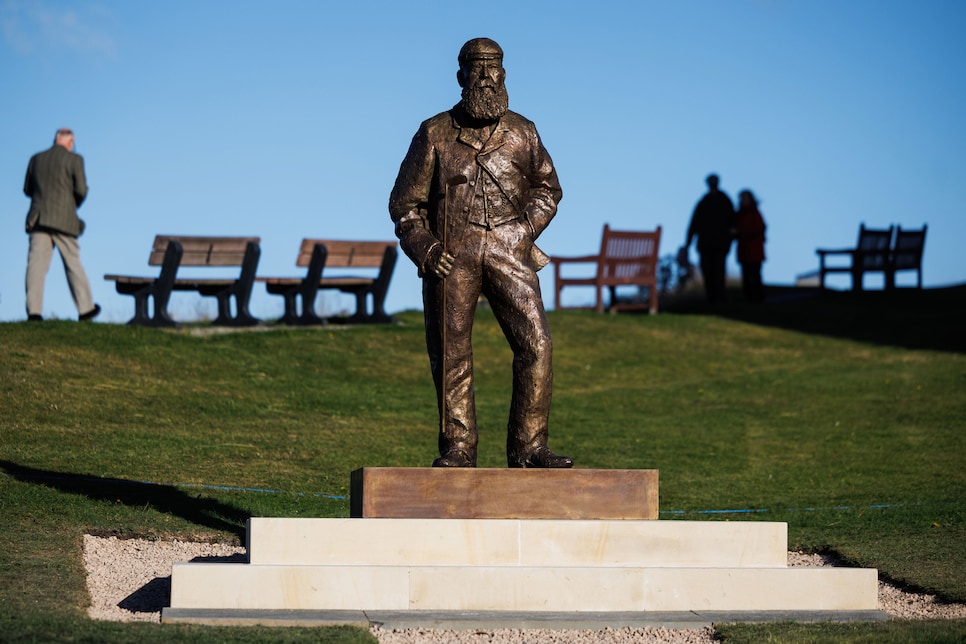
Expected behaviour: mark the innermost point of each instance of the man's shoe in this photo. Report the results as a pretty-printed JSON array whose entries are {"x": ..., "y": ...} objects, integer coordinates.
[
  {"x": 454, "y": 458},
  {"x": 90, "y": 315},
  {"x": 543, "y": 458},
  {"x": 34, "y": 317}
]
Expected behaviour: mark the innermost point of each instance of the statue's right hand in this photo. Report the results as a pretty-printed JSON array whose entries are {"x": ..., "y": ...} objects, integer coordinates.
[{"x": 440, "y": 262}]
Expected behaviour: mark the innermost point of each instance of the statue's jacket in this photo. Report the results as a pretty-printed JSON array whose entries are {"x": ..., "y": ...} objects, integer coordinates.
[{"x": 511, "y": 172}]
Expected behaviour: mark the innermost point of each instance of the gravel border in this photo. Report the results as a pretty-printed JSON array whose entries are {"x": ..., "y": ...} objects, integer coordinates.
[{"x": 129, "y": 580}]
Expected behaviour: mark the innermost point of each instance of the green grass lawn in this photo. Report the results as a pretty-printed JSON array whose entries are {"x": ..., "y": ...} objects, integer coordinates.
[{"x": 840, "y": 414}]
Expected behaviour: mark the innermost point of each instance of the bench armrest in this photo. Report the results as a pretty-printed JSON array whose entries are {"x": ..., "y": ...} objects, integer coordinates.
[
  {"x": 834, "y": 251},
  {"x": 573, "y": 260}
]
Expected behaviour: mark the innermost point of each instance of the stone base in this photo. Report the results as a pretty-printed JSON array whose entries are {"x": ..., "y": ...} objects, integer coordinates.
[
  {"x": 439, "y": 543},
  {"x": 479, "y": 493}
]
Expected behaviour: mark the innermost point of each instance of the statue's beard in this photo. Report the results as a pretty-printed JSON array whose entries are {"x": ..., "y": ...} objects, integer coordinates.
[{"x": 486, "y": 102}]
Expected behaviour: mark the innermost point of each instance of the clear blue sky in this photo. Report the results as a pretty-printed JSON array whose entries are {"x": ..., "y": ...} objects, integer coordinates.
[{"x": 289, "y": 119}]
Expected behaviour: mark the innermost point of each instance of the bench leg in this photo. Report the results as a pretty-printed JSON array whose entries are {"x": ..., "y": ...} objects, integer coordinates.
[
  {"x": 224, "y": 310},
  {"x": 379, "y": 314},
  {"x": 290, "y": 317},
  {"x": 141, "y": 308},
  {"x": 361, "y": 316},
  {"x": 143, "y": 318},
  {"x": 309, "y": 317},
  {"x": 161, "y": 316},
  {"x": 160, "y": 290},
  {"x": 242, "y": 316}
]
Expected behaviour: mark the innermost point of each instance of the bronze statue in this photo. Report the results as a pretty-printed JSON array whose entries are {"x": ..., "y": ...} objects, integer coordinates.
[{"x": 475, "y": 190}]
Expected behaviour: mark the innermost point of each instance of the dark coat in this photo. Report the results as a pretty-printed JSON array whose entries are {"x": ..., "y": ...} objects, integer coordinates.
[
  {"x": 56, "y": 185},
  {"x": 512, "y": 162},
  {"x": 713, "y": 223}
]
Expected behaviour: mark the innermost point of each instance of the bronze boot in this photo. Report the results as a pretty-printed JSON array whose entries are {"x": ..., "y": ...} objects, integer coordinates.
[{"x": 542, "y": 458}]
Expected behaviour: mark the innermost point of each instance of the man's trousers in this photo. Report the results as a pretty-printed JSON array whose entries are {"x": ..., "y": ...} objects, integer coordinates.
[{"x": 42, "y": 243}]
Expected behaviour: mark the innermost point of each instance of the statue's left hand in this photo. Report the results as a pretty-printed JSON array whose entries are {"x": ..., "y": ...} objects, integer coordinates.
[{"x": 440, "y": 262}]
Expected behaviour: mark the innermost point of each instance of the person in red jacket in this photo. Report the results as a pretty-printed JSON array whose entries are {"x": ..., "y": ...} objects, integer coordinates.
[{"x": 750, "y": 229}]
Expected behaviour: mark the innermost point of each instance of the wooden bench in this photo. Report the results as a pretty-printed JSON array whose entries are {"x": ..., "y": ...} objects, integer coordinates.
[
  {"x": 171, "y": 252},
  {"x": 324, "y": 254},
  {"x": 906, "y": 254},
  {"x": 870, "y": 255},
  {"x": 626, "y": 258}
]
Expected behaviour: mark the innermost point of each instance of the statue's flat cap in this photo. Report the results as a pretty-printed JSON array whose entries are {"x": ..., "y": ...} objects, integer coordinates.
[{"x": 480, "y": 49}]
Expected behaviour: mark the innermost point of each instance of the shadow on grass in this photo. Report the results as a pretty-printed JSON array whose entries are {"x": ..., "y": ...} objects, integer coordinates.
[
  {"x": 910, "y": 318},
  {"x": 163, "y": 498}
]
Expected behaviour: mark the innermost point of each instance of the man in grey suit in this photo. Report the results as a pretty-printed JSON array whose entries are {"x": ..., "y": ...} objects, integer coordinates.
[{"x": 56, "y": 186}]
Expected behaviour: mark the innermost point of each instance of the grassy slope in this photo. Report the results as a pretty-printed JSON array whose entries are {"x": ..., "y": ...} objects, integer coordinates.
[{"x": 793, "y": 412}]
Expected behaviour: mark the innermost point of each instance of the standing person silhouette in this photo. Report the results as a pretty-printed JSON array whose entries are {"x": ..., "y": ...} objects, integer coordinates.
[
  {"x": 57, "y": 186},
  {"x": 475, "y": 190},
  {"x": 713, "y": 224},
  {"x": 750, "y": 231}
]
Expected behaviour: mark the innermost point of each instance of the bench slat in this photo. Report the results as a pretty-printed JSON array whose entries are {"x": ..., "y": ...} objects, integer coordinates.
[
  {"x": 203, "y": 251},
  {"x": 340, "y": 253}
]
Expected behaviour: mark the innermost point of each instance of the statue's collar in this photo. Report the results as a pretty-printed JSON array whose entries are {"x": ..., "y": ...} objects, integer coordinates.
[{"x": 474, "y": 132}]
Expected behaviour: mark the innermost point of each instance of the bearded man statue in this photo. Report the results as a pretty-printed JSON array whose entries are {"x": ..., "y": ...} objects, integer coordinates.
[{"x": 473, "y": 193}]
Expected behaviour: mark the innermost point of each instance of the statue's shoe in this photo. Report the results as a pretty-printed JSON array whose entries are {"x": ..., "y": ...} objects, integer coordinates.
[
  {"x": 454, "y": 458},
  {"x": 543, "y": 458}
]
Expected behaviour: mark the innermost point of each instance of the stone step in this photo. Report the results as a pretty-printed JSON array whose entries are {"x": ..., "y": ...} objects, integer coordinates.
[
  {"x": 494, "y": 493},
  {"x": 519, "y": 588},
  {"x": 517, "y": 542}
]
